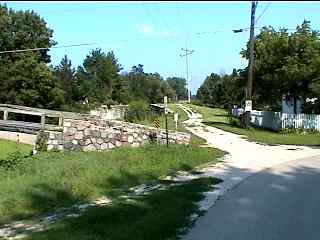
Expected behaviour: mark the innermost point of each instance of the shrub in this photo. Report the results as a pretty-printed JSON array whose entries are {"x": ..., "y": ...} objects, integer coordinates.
[
  {"x": 197, "y": 102},
  {"x": 298, "y": 131},
  {"x": 234, "y": 121},
  {"x": 137, "y": 111},
  {"x": 41, "y": 143},
  {"x": 14, "y": 160}
]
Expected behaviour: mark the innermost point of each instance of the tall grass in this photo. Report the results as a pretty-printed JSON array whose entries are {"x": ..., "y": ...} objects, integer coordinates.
[{"x": 50, "y": 180}]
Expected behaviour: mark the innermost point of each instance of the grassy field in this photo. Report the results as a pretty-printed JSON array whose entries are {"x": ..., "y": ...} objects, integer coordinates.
[
  {"x": 8, "y": 147},
  {"x": 161, "y": 215},
  {"x": 47, "y": 181},
  {"x": 171, "y": 124},
  {"x": 219, "y": 118},
  {"x": 211, "y": 114},
  {"x": 195, "y": 140}
]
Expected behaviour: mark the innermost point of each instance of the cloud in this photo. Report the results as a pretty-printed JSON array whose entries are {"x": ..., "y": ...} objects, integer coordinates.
[
  {"x": 146, "y": 29},
  {"x": 151, "y": 31}
]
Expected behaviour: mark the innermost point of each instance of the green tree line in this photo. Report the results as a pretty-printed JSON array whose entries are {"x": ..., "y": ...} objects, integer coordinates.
[
  {"x": 28, "y": 78},
  {"x": 286, "y": 64}
]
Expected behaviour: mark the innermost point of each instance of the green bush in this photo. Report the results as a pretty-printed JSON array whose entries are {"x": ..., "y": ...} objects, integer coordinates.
[
  {"x": 234, "y": 121},
  {"x": 14, "y": 160},
  {"x": 298, "y": 131},
  {"x": 197, "y": 102},
  {"x": 137, "y": 111}
]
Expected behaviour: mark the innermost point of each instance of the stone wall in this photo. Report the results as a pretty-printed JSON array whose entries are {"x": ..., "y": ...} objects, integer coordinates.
[
  {"x": 93, "y": 135},
  {"x": 112, "y": 113}
]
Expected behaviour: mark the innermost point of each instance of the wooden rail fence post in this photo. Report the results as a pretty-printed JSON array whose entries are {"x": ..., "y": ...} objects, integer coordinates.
[
  {"x": 43, "y": 120},
  {"x": 60, "y": 120},
  {"x": 5, "y": 115}
]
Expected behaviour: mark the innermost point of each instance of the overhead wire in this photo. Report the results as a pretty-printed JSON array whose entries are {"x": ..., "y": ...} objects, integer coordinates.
[
  {"x": 143, "y": 4},
  {"x": 118, "y": 41},
  {"x": 264, "y": 10}
]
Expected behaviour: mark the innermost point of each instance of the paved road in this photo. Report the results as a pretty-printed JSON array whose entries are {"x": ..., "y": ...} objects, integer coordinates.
[{"x": 282, "y": 202}]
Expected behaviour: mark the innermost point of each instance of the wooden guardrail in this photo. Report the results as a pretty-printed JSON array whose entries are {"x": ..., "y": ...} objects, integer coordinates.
[{"x": 31, "y": 127}]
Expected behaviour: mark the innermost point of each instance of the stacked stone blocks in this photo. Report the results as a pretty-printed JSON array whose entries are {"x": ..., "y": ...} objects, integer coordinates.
[{"x": 99, "y": 135}]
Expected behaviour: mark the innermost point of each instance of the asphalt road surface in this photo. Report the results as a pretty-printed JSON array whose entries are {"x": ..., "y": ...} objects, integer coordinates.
[{"x": 282, "y": 202}]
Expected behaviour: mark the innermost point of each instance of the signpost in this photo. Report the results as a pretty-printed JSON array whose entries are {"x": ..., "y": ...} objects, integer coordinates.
[
  {"x": 175, "y": 118},
  {"x": 165, "y": 101},
  {"x": 156, "y": 124}
]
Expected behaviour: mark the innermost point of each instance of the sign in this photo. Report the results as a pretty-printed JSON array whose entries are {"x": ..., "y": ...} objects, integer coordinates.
[
  {"x": 156, "y": 123},
  {"x": 165, "y": 100},
  {"x": 248, "y": 106},
  {"x": 175, "y": 117}
]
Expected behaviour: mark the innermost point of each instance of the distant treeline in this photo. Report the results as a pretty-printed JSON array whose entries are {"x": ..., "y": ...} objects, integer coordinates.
[{"x": 27, "y": 78}]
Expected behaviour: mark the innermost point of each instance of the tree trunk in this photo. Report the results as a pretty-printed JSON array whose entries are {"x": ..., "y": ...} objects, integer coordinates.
[{"x": 294, "y": 104}]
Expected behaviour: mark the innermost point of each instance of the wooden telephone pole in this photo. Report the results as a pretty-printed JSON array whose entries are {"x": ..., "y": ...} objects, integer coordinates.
[
  {"x": 187, "y": 53},
  {"x": 248, "y": 105}
]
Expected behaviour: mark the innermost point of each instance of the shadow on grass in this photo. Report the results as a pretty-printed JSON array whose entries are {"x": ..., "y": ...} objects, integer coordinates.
[
  {"x": 213, "y": 123},
  {"x": 163, "y": 214},
  {"x": 41, "y": 199},
  {"x": 221, "y": 115}
]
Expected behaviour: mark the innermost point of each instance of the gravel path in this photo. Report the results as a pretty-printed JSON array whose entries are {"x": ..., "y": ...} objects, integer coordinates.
[{"x": 244, "y": 158}]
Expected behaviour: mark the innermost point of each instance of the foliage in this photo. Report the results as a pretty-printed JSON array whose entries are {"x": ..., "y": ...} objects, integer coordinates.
[
  {"x": 137, "y": 111},
  {"x": 25, "y": 77},
  {"x": 63, "y": 75},
  {"x": 179, "y": 86},
  {"x": 149, "y": 87},
  {"x": 95, "y": 78},
  {"x": 14, "y": 160},
  {"x": 41, "y": 144},
  {"x": 285, "y": 63},
  {"x": 299, "y": 131},
  {"x": 222, "y": 90}
]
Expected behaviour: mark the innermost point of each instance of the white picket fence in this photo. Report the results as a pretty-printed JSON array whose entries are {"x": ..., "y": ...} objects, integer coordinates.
[{"x": 278, "y": 120}]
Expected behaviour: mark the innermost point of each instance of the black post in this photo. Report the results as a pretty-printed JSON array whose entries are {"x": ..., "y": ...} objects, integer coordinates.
[{"x": 167, "y": 130}]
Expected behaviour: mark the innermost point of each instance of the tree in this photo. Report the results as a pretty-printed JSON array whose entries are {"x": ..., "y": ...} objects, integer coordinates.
[
  {"x": 24, "y": 29},
  {"x": 150, "y": 87},
  {"x": 285, "y": 64},
  {"x": 64, "y": 77},
  {"x": 25, "y": 77},
  {"x": 97, "y": 75},
  {"x": 179, "y": 86},
  {"x": 222, "y": 91}
]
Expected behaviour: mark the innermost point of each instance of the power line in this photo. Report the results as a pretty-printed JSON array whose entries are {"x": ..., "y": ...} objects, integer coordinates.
[
  {"x": 124, "y": 41},
  {"x": 62, "y": 46},
  {"x": 162, "y": 19},
  {"x": 149, "y": 13},
  {"x": 264, "y": 10}
]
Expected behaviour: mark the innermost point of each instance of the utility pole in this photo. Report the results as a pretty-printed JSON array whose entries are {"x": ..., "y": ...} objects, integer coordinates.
[
  {"x": 248, "y": 106},
  {"x": 187, "y": 53}
]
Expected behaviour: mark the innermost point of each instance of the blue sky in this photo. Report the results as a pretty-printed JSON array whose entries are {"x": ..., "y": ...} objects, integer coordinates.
[{"x": 153, "y": 33}]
